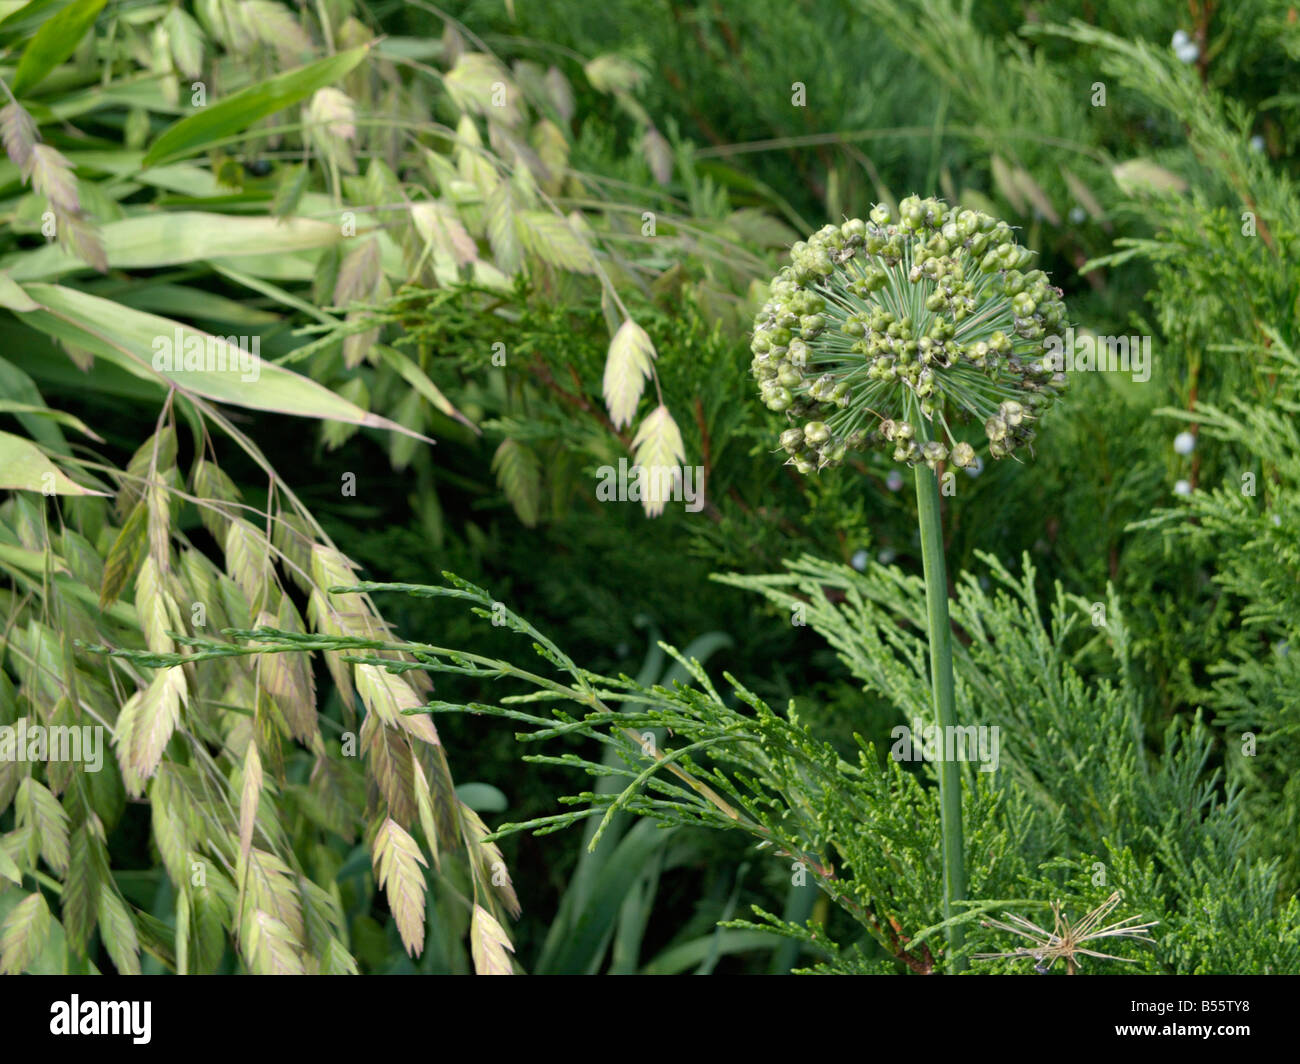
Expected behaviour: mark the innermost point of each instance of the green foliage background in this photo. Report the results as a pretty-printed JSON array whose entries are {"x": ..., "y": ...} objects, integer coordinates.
[{"x": 387, "y": 230}]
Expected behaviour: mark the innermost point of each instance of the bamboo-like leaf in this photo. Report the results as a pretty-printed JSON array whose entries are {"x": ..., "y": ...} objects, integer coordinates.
[
  {"x": 627, "y": 367},
  {"x": 489, "y": 944},
  {"x": 54, "y": 42},
  {"x": 63, "y": 418},
  {"x": 417, "y": 379},
  {"x": 23, "y": 934},
  {"x": 25, "y": 467},
  {"x": 520, "y": 475},
  {"x": 150, "y": 241},
  {"x": 88, "y": 320},
  {"x": 246, "y": 108},
  {"x": 399, "y": 870}
]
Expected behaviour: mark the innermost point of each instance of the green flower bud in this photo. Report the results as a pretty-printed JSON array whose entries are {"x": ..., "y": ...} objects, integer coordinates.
[
  {"x": 934, "y": 452},
  {"x": 833, "y": 454},
  {"x": 854, "y": 231},
  {"x": 816, "y": 432},
  {"x": 1012, "y": 412}
]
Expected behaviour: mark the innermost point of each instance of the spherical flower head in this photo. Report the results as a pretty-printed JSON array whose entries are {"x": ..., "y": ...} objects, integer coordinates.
[{"x": 882, "y": 335}]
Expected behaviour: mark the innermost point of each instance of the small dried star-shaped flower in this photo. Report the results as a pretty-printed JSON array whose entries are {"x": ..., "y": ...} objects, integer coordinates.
[{"x": 1066, "y": 940}]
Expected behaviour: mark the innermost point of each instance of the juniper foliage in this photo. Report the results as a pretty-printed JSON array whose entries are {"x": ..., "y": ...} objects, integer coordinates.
[{"x": 862, "y": 824}]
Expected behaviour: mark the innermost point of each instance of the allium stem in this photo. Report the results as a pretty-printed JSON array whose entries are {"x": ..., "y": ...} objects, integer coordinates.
[{"x": 936, "y": 597}]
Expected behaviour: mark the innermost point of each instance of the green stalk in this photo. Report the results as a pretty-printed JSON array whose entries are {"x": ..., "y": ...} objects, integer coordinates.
[{"x": 936, "y": 598}]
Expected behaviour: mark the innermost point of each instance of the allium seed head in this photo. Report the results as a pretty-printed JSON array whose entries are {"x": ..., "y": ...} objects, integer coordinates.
[{"x": 882, "y": 334}]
